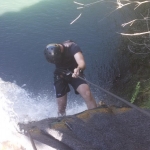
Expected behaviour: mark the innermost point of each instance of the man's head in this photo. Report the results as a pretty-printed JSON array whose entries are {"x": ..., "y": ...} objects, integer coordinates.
[{"x": 53, "y": 53}]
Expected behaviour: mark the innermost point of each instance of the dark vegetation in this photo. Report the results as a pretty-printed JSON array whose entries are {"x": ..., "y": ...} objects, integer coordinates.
[
  {"x": 135, "y": 84},
  {"x": 133, "y": 80}
]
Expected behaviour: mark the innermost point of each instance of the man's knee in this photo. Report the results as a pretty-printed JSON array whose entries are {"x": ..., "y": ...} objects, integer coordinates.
[
  {"x": 84, "y": 90},
  {"x": 87, "y": 94}
]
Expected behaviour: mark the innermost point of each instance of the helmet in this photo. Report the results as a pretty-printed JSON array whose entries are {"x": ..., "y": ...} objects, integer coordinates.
[{"x": 53, "y": 53}]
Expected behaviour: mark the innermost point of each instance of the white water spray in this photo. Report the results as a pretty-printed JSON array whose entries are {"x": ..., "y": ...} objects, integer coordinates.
[{"x": 18, "y": 105}]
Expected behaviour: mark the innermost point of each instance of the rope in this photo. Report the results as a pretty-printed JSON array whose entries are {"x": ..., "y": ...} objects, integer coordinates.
[
  {"x": 119, "y": 98},
  {"x": 113, "y": 95}
]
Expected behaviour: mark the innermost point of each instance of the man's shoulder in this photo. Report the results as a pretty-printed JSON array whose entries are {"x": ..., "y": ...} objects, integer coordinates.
[
  {"x": 71, "y": 47},
  {"x": 68, "y": 43}
]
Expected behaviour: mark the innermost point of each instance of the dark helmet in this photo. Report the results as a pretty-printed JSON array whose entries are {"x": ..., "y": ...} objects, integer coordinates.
[{"x": 53, "y": 53}]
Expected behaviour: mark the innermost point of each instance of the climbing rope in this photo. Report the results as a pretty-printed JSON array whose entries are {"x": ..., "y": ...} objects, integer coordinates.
[
  {"x": 119, "y": 98},
  {"x": 67, "y": 72}
]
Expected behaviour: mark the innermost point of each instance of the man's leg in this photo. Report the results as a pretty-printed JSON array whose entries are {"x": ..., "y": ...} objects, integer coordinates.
[
  {"x": 62, "y": 103},
  {"x": 85, "y": 92}
]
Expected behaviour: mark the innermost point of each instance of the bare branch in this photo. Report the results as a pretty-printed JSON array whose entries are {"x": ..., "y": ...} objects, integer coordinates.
[
  {"x": 118, "y": 2},
  {"x": 147, "y": 22},
  {"x": 107, "y": 15},
  {"x": 80, "y": 7},
  {"x": 135, "y": 52},
  {"x": 135, "y": 34},
  {"x": 131, "y": 23},
  {"x": 147, "y": 47},
  {"x": 93, "y": 3},
  {"x": 139, "y": 3},
  {"x": 76, "y": 19},
  {"x": 78, "y": 3},
  {"x": 134, "y": 42}
]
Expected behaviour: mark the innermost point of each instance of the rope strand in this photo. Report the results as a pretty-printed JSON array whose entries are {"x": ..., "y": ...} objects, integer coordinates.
[
  {"x": 113, "y": 95},
  {"x": 119, "y": 98}
]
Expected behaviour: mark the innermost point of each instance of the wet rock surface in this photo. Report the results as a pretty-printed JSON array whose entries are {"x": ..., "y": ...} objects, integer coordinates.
[{"x": 103, "y": 128}]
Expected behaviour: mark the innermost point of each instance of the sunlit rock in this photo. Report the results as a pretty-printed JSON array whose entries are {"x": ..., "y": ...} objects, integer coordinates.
[
  {"x": 103, "y": 128},
  {"x": 7, "y": 145}
]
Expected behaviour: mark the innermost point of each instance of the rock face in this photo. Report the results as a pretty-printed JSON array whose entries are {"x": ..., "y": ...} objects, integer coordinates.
[{"x": 103, "y": 128}]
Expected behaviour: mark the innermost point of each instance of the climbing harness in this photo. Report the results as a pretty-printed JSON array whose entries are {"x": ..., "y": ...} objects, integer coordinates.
[{"x": 113, "y": 95}]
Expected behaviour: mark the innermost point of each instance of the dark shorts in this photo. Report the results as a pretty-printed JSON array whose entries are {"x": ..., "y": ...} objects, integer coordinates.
[{"x": 61, "y": 84}]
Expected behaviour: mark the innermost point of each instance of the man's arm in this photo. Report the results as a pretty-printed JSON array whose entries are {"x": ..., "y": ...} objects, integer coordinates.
[{"x": 81, "y": 64}]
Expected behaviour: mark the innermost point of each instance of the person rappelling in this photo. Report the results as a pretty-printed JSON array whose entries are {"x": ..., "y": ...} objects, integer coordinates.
[{"x": 70, "y": 64}]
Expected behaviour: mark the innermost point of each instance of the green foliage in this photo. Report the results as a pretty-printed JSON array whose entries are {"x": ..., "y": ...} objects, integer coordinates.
[
  {"x": 146, "y": 104},
  {"x": 134, "y": 95}
]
